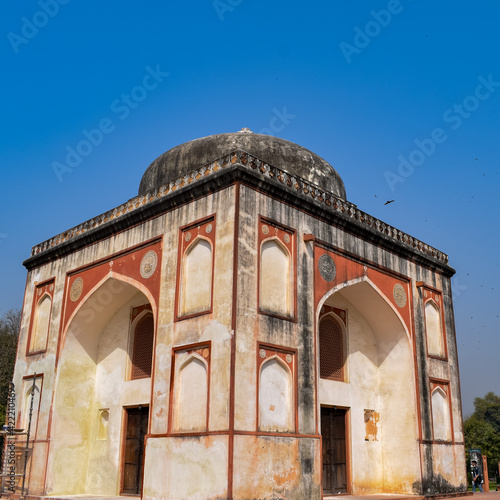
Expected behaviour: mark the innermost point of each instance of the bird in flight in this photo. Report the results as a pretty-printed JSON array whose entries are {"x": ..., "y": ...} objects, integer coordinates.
[{"x": 388, "y": 201}]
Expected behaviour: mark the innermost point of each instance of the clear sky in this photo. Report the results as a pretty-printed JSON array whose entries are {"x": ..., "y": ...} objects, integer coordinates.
[{"x": 402, "y": 97}]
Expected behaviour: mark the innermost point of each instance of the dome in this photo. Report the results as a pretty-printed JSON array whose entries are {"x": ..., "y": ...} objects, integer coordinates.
[{"x": 279, "y": 153}]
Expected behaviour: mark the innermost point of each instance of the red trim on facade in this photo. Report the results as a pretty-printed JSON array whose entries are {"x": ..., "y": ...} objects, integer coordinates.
[
  {"x": 189, "y": 348},
  {"x": 291, "y": 246},
  {"x": 41, "y": 289},
  {"x": 199, "y": 226}
]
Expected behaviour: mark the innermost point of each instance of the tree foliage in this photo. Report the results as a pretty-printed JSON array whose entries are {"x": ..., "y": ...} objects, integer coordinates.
[
  {"x": 482, "y": 430},
  {"x": 9, "y": 331}
]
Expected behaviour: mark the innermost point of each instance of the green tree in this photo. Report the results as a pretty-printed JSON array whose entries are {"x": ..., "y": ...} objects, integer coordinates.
[
  {"x": 9, "y": 331},
  {"x": 481, "y": 430}
]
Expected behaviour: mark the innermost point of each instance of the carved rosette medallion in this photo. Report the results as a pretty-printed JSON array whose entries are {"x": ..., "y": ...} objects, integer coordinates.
[
  {"x": 265, "y": 229},
  {"x": 208, "y": 229},
  {"x": 327, "y": 267},
  {"x": 399, "y": 295},
  {"x": 205, "y": 352},
  {"x": 262, "y": 353},
  {"x": 51, "y": 288},
  {"x": 188, "y": 236},
  {"x": 288, "y": 358},
  {"x": 286, "y": 237},
  {"x": 148, "y": 264},
  {"x": 76, "y": 290}
]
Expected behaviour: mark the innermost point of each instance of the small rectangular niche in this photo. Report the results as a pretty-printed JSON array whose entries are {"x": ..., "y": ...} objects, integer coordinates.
[{"x": 102, "y": 425}]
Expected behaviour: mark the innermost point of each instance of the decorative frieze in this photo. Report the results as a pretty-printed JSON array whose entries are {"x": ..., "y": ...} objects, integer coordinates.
[{"x": 251, "y": 163}]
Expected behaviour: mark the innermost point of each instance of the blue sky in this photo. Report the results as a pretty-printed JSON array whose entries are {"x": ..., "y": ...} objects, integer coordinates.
[{"x": 402, "y": 97}]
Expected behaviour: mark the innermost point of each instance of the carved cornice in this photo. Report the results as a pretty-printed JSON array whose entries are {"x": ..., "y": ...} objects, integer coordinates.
[{"x": 156, "y": 201}]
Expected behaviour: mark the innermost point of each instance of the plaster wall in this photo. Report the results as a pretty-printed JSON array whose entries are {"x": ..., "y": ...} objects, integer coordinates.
[{"x": 191, "y": 467}]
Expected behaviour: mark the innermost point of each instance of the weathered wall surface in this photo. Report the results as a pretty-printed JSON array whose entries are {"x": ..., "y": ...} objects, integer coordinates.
[{"x": 388, "y": 369}]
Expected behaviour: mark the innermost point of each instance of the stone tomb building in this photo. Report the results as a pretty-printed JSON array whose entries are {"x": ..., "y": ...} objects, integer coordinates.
[{"x": 239, "y": 330}]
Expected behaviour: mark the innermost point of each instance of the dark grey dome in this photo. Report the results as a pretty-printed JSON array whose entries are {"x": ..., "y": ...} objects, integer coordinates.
[{"x": 279, "y": 153}]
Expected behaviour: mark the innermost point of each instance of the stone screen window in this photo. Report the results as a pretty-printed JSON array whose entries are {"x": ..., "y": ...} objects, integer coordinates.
[
  {"x": 40, "y": 317},
  {"x": 142, "y": 351},
  {"x": 331, "y": 347},
  {"x": 276, "y": 269}
]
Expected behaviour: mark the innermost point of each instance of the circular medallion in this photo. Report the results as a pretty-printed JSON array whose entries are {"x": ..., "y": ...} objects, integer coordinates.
[
  {"x": 148, "y": 264},
  {"x": 288, "y": 358},
  {"x": 425, "y": 293},
  {"x": 265, "y": 229},
  {"x": 51, "y": 288},
  {"x": 76, "y": 290},
  {"x": 262, "y": 353},
  {"x": 205, "y": 352},
  {"x": 399, "y": 295},
  {"x": 209, "y": 228},
  {"x": 188, "y": 236},
  {"x": 39, "y": 292},
  {"x": 286, "y": 238},
  {"x": 327, "y": 268},
  {"x": 342, "y": 314}
]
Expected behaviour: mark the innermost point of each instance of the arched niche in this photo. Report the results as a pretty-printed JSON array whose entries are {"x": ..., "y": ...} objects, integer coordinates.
[
  {"x": 441, "y": 425},
  {"x": 380, "y": 367},
  {"x": 191, "y": 395},
  {"x": 275, "y": 295},
  {"x": 275, "y": 397},
  {"x": 433, "y": 329},
  {"x": 91, "y": 376},
  {"x": 196, "y": 278},
  {"x": 40, "y": 331}
]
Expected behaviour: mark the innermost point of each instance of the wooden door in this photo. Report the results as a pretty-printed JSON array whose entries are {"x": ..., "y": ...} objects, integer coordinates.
[
  {"x": 136, "y": 427},
  {"x": 333, "y": 434}
]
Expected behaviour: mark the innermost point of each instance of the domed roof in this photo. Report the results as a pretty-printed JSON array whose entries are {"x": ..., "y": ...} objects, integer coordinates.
[{"x": 279, "y": 153}]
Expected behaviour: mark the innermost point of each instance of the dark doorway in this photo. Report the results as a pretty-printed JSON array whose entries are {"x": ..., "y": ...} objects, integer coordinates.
[
  {"x": 136, "y": 427},
  {"x": 333, "y": 427}
]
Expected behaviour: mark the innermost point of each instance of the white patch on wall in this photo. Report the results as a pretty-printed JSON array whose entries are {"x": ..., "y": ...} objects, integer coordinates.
[
  {"x": 191, "y": 393},
  {"x": 435, "y": 343},
  {"x": 196, "y": 284},
  {"x": 41, "y": 325},
  {"x": 440, "y": 416},
  {"x": 275, "y": 280},
  {"x": 102, "y": 426},
  {"x": 275, "y": 397}
]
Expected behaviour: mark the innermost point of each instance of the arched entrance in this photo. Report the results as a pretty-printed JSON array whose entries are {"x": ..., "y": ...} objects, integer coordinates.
[
  {"x": 368, "y": 408},
  {"x": 98, "y": 397}
]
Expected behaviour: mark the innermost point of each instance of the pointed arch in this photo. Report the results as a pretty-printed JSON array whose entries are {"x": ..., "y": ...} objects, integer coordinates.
[
  {"x": 191, "y": 395},
  {"x": 275, "y": 396},
  {"x": 196, "y": 277},
  {"x": 40, "y": 332},
  {"x": 434, "y": 329},
  {"x": 441, "y": 423},
  {"x": 275, "y": 278}
]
